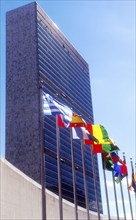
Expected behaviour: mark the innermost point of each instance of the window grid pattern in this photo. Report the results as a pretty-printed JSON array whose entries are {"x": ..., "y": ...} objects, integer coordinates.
[{"x": 58, "y": 64}]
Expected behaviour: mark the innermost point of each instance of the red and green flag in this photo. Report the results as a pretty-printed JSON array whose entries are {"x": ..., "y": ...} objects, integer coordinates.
[{"x": 103, "y": 148}]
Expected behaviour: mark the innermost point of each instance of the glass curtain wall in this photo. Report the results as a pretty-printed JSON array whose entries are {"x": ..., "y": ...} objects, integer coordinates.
[{"x": 65, "y": 69}]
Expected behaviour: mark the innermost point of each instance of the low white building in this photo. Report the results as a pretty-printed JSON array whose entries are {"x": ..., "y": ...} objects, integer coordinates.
[{"x": 20, "y": 198}]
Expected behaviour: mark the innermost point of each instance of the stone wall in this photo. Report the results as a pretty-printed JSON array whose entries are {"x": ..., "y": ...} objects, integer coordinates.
[{"x": 22, "y": 91}]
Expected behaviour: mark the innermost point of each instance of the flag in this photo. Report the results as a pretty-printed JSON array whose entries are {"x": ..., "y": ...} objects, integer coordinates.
[
  {"x": 96, "y": 148},
  {"x": 107, "y": 162},
  {"x": 105, "y": 143},
  {"x": 100, "y": 133},
  {"x": 114, "y": 148},
  {"x": 76, "y": 121},
  {"x": 132, "y": 186},
  {"x": 82, "y": 133},
  {"x": 54, "y": 107},
  {"x": 119, "y": 178},
  {"x": 120, "y": 169},
  {"x": 101, "y": 148},
  {"x": 115, "y": 158},
  {"x": 108, "y": 148}
]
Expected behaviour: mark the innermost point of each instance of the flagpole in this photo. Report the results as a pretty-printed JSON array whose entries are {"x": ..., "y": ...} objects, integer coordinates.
[
  {"x": 74, "y": 175},
  {"x": 122, "y": 196},
  {"x": 106, "y": 191},
  {"x": 59, "y": 169},
  {"x": 85, "y": 183},
  {"x": 132, "y": 168},
  {"x": 95, "y": 183},
  {"x": 135, "y": 192},
  {"x": 128, "y": 191},
  {"x": 115, "y": 194},
  {"x": 43, "y": 194}
]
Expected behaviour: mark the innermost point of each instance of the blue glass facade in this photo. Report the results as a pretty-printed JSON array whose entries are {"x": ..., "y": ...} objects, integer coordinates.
[
  {"x": 37, "y": 49},
  {"x": 65, "y": 70}
]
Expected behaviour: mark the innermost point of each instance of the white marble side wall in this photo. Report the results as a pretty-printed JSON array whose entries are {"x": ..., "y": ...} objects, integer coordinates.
[{"x": 20, "y": 198}]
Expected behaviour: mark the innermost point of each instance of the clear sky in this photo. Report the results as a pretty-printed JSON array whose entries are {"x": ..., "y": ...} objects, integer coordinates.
[{"x": 103, "y": 32}]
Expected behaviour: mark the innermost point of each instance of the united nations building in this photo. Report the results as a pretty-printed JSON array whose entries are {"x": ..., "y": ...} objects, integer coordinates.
[{"x": 37, "y": 50}]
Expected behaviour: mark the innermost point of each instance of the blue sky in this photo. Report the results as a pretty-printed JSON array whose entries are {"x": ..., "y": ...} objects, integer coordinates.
[{"x": 103, "y": 32}]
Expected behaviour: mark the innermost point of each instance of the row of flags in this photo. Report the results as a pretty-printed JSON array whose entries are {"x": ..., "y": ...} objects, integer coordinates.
[{"x": 91, "y": 134}]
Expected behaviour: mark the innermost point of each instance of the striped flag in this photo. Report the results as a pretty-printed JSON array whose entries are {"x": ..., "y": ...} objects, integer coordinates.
[{"x": 54, "y": 107}]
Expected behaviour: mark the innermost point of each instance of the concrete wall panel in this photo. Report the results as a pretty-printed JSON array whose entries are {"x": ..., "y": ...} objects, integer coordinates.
[{"x": 20, "y": 198}]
